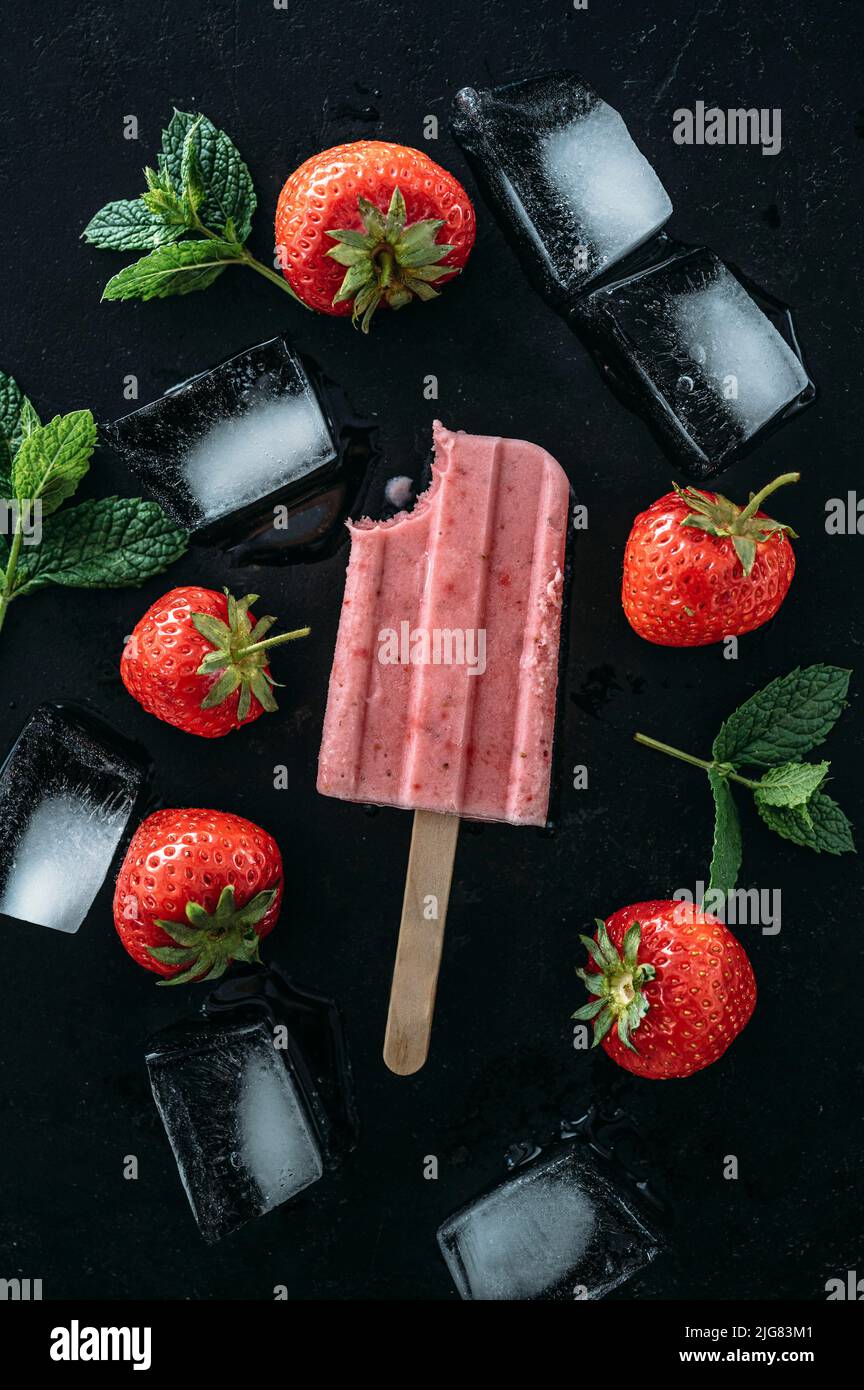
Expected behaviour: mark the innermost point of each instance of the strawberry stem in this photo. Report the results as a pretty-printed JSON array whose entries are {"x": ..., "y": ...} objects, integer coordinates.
[
  {"x": 274, "y": 641},
  {"x": 756, "y": 501}
]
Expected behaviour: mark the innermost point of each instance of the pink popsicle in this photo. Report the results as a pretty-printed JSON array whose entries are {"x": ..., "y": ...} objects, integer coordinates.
[
  {"x": 473, "y": 576},
  {"x": 442, "y": 693}
]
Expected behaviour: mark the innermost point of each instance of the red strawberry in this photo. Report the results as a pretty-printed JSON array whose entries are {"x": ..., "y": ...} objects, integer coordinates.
[
  {"x": 698, "y": 569},
  {"x": 196, "y": 890},
  {"x": 197, "y": 660},
  {"x": 383, "y": 205},
  {"x": 673, "y": 988}
]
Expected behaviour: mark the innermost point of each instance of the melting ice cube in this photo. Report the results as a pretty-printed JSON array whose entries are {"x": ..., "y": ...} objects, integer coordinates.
[
  {"x": 61, "y": 858},
  {"x": 606, "y": 183},
  {"x": 689, "y": 347},
  {"x": 309, "y": 1025},
  {"x": 68, "y": 789},
  {"x": 223, "y": 449},
  {"x": 558, "y": 1229},
  {"x": 236, "y": 1118},
  {"x": 245, "y": 458},
  {"x": 560, "y": 169},
  {"x": 736, "y": 350}
]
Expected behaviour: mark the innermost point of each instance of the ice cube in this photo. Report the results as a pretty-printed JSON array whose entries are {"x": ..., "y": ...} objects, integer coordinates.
[
  {"x": 561, "y": 171},
  {"x": 236, "y": 1119},
  {"x": 560, "y": 1228},
  {"x": 250, "y": 456},
  {"x": 309, "y": 1027},
  {"x": 224, "y": 449},
  {"x": 61, "y": 859},
  {"x": 737, "y": 351},
  {"x": 68, "y": 790},
  {"x": 686, "y": 343}
]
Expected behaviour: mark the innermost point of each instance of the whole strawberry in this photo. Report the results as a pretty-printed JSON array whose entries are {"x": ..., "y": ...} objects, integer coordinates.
[
  {"x": 196, "y": 890},
  {"x": 672, "y": 985},
  {"x": 697, "y": 568},
  {"x": 197, "y": 660},
  {"x": 384, "y": 206}
]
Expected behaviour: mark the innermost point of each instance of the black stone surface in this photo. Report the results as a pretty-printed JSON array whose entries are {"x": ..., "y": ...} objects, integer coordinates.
[{"x": 74, "y": 1099}]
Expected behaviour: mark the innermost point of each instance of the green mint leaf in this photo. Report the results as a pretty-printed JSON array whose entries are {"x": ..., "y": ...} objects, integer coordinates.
[
  {"x": 194, "y": 187},
  {"x": 169, "y": 211},
  {"x": 11, "y": 402},
  {"x": 129, "y": 225},
  {"x": 791, "y": 784},
  {"x": 787, "y": 718},
  {"x": 17, "y": 419},
  {"x": 53, "y": 459},
  {"x": 29, "y": 420},
  {"x": 820, "y": 825},
  {"x": 181, "y": 268},
  {"x": 726, "y": 856},
  {"x": 229, "y": 190},
  {"x": 107, "y": 543}
]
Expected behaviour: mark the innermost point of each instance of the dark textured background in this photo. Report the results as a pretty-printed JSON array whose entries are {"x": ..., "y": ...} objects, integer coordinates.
[{"x": 787, "y": 1098}]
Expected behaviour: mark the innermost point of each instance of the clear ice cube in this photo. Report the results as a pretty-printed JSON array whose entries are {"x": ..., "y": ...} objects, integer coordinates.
[
  {"x": 738, "y": 352},
  {"x": 691, "y": 349},
  {"x": 226, "y": 447},
  {"x": 309, "y": 1027},
  {"x": 243, "y": 459},
  {"x": 559, "y": 1228},
  {"x": 560, "y": 169},
  {"x": 236, "y": 1118},
  {"x": 68, "y": 789}
]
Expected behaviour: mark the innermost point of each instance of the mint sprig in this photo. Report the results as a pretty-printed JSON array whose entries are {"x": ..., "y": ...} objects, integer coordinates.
[
  {"x": 772, "y": 730},
  {"x": 110, "y": 542},
  {"x": 193, "y": 219}
]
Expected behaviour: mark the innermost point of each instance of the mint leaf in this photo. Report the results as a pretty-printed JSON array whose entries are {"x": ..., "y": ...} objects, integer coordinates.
[
  {"x": 128, "y": 225},
  {"x": 791, "y": 784},
  {"x": 192, "y": 178},
  {"x": 727, "y": 853},
  {"x": 162, "y": 200},
  {"x": 228, "y": 183},
  {"x": 180, "y": 268},
  {"x": 11, "y": 401},
  {"x": 17, "y": 419},
  {"x": 786, "y": 719},
  {"x": 820, "y": 825},
  {"x": 28, "y": 421},
  {"x": 103, "y": 544},
  {"x": 53, "y": 459}
]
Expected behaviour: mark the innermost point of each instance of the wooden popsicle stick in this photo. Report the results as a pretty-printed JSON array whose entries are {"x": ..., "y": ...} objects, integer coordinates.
[{"x": 421, "y": 938}]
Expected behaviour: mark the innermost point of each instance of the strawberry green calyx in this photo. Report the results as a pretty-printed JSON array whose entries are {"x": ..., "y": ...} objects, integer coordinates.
[
  {"x": 388, "y": 261},
  {"x": 720, "y": 517},
  {"x": 619, "y": 985},
  {"x": 239, "y": 655},
  {"x": 212, "y": 940}
]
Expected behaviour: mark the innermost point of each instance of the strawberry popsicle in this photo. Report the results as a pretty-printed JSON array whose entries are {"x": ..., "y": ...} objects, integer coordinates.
[
  {"x": 442, "y": 693},
  {"x": 443, "y": 688}
]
